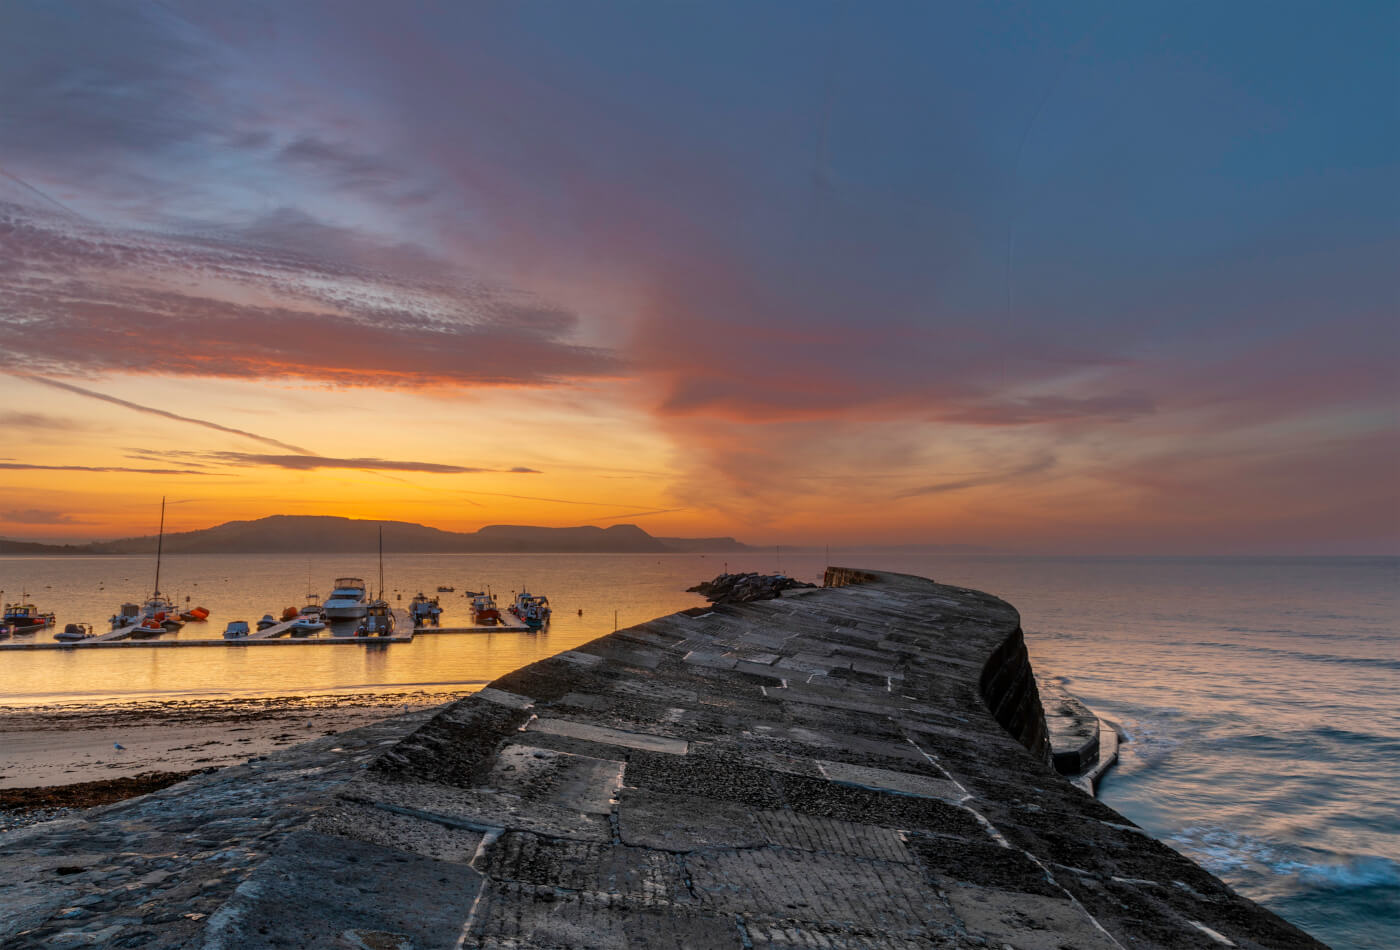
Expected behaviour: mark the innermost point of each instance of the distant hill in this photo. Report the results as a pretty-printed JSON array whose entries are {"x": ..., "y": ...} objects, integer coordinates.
[{"x": 304, "y": 534}]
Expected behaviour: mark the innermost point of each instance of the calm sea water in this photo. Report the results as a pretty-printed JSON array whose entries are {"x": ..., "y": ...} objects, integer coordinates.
[{"x": 1260, "y": 695}]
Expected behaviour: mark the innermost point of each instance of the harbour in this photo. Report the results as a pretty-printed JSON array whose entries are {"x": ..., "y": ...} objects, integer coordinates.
[{"x": 1189, "y": 655}]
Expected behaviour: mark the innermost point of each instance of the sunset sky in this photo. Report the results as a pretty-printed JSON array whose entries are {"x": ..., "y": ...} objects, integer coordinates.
[{"x": 1080, "y": 278}]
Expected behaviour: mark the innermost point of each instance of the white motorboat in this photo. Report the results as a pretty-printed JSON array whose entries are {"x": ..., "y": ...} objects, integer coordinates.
[
  {"x": 236, "y": 630},
  {"x": 347, "y": 601}
]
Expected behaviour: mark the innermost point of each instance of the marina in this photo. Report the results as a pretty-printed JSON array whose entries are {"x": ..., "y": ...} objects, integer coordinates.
[{"x": 279, "y": 634}]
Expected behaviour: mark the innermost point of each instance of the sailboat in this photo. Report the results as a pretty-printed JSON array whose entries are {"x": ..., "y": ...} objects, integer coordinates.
[
  {"x": 379, "y": 619},
  {"x": 155, "y": 615}
]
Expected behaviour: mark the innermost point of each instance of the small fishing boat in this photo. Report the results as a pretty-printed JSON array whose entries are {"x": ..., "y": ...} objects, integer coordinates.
[
  {"x": 289, "y": 613},
  {"x": 236, "y": 630},
  {"x": 484, "y": 610},
  {"x": 26, "y": 618},
  {"x": 533, "y": 610},
  {"x": 126, "y": 615},
  {"x": 378, "y": 622},
  {"x": 446, "y": 590},
  {"x": 267, "y": 621},
  {"x": 379, "y": 618},
  {"x": 74, "y": 632},
  {"x": 425, "y": 611},
  {"x": 156, "y": 615},
  {"x": 197, "y": 614}
]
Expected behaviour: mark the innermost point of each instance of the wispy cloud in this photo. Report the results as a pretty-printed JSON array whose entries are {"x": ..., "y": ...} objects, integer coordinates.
[
  {"x": 31, "y": 467},
  {"x": 311, "y": 462},
  {"x": 80, "y": 298},
  {"x": 1038, "y": 465},
  {"x": 37, "y": 516}
]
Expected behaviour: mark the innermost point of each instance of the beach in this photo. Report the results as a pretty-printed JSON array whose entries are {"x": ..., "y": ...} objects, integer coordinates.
[{"x": 64, "y": 756}]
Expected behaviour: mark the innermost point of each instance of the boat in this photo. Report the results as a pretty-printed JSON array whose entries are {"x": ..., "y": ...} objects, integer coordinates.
[
  {"x": 484, "y": 610},
  {"x": 267, "y": 621},
  {"x": 148, "y": 628},
  {"x": 379, "y": 618},
  {"x": 289, "y": 613},
  {"x": 347, "y": 601},
  {"x": 126, "y": 615},
  {"x": 236, "y": 629},
  {"x": 74, "y": 632},
  {"x": 378, "y": 622},
  {"x": 197, "y": 614},
  {"x": 26, "y": 618},
  {"x": 157, "y": 614},
  {"x": 446, "y": 590},
  {"x": 308, "y": 621},
  {"x": 533, "y": 610},
  {"x": 425, "y": 611}
]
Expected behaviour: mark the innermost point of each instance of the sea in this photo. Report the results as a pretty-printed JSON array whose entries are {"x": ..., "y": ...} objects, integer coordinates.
[{"x": 1260, "y": 696}]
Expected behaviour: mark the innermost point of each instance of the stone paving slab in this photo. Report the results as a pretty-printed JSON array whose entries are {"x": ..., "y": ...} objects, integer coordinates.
[
  {"x": 834, "y": 888},
  {"x": 323, "y": 891},
  {"x": 609, "y": 736},
  {"x": 514, "y": 916},
  {"x": 643, "y": 875}
]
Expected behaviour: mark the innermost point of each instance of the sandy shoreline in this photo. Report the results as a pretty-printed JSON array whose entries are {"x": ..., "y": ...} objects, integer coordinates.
[{"x": 67, "y": 744}]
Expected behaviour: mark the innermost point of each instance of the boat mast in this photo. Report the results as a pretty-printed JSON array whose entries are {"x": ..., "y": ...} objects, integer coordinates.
[
  {"x": 381, "y": 563},
  {"x": 160, "y": 542}
]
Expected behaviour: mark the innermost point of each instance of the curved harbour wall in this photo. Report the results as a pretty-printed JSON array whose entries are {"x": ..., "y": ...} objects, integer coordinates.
[{"x": 835, "y": 768}]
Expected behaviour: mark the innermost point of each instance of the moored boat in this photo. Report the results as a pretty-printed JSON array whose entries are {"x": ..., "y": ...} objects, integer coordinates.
[
  {"x": 446, "y": 590},
  {"x": 236, "y": 630},
  {"x": 378, "y": 622},
  {"x": 148, "y": 628},
  {"x": 74, "y": 632},
  {"x": 347, "y": 600},
  {"x": 157, "y": 614},
  {"x": 197, "y": 614},
  {"x": 533, "y": 610},
  {"x": 425, "y": 611},
  {"x": 267, "y": 621},
  {"x": 26, "y": 618},
  {"x": 484, "y": 610}
]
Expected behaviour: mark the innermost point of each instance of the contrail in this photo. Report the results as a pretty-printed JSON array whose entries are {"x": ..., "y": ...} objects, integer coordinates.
[
  {"x": 69, "y": 387},
  {"x": 53, "y": 201}
]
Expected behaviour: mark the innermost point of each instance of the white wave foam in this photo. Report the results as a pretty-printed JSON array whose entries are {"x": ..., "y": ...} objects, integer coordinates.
[{"x": 1225, "y": 852}]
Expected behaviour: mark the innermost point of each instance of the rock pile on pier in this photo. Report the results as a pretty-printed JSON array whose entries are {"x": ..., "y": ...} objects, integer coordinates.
[{"x": 746, "y": 588}]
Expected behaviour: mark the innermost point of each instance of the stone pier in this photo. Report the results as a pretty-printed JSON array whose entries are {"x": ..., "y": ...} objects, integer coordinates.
[{"x": 864, "y": 765}]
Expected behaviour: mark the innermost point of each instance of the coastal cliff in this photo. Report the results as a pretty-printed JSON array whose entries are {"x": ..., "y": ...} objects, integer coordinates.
[{"x": 861, "y": 765}]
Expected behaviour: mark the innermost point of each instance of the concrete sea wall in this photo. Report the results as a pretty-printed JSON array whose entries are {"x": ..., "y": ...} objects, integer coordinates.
[{"x": 858, "y": 766}]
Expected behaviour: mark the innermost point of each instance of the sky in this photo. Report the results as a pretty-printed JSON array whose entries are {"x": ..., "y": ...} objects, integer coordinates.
[{"x": 1053, "y": 278}]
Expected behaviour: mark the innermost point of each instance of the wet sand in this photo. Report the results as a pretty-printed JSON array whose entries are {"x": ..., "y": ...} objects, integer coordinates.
[{"x": 47, "y": 746}]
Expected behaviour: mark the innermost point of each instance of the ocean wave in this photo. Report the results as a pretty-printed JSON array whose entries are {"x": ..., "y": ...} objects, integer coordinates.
[
  {"x": 1353, "y": 873},
  {"x": 1231, "y": 854},
  {"x": 1148, "y": 741},
  {"x": 1373, "y": 662}
]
